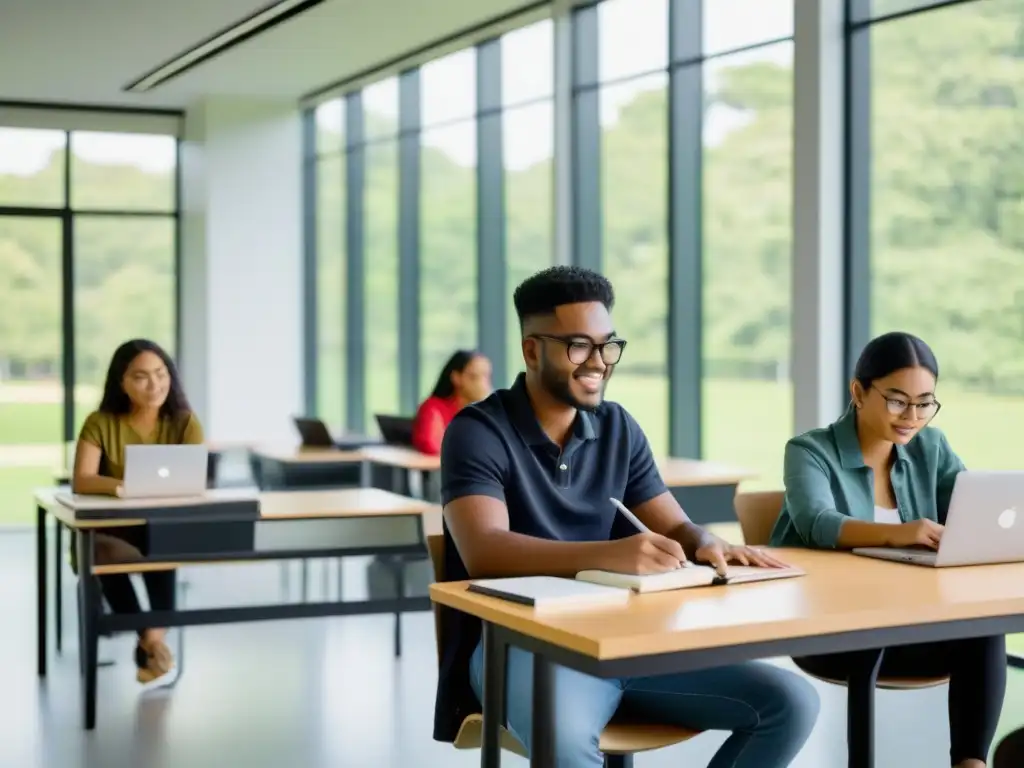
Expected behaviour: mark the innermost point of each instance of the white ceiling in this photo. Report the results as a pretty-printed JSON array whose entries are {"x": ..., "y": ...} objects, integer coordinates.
[{"x": 85, "y": 51}]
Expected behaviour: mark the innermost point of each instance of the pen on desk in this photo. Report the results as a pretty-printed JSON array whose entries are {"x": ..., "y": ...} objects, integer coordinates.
[{"x": 637, "y": 524}]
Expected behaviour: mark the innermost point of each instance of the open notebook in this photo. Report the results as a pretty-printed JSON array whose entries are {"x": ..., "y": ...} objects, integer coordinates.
[
  {"x": 690, "y": 576},
  {"x": 551, "y": 593}
]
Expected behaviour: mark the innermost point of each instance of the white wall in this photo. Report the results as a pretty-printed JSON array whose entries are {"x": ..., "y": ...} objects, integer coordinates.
[{"x": 241, "y": 313}]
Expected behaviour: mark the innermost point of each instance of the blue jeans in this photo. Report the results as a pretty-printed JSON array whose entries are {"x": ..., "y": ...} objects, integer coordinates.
[{"x": 769, "y": 710}]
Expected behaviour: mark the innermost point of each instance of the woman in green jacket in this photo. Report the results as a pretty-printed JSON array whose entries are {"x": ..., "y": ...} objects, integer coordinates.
[{"x": 881, "y": 477}]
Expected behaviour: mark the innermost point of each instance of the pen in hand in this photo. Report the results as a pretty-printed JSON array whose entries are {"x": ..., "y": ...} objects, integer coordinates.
[{"x": 638, "y": 524}]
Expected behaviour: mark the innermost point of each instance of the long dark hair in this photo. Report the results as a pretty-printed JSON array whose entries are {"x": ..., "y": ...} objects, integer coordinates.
[
  {"x": 116, "y": 400},
  {"x": 892, "y": 352},
  {"x": 456, "y": 364}
]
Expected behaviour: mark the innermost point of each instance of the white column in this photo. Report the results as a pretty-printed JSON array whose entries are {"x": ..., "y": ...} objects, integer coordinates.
[
  {"x": 817, "y": 284},
  {"x": 241, "y": 345}
]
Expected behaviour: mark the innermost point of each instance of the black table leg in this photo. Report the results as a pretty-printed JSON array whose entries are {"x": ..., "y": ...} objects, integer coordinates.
[
  {"x": 542, "y": 751},
  {"x": 58, "y": 586},
  {"x": 495, "y": 652},
  {"x": 41, "y": 590},
  {"x": 399, "y": 566},
  {"x": 860, "y": 708},
  {"x": 89, "y": 597}
]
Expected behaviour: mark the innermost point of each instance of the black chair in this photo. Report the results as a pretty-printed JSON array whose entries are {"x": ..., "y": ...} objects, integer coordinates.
[{"x": 1010, "y": 752}]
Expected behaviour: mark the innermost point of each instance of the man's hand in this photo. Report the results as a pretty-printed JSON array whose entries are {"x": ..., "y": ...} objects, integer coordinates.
[
  {"x": 717, "y": 553},
  {"x": 643, "y": 553}
]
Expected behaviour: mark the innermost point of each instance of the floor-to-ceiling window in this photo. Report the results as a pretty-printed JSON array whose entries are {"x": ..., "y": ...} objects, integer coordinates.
[
  {"x": 331, "y": 333},
  {"x": 88, "y": 223},
  {"x": 632, "y": 48},
  {"x": 448, "y": 245},
  {"x": 527, "y": 88},
  {"x": 380, "y": 109},
  {"x": 938, "y": 186},
  {"x": 747, "y": 162}
]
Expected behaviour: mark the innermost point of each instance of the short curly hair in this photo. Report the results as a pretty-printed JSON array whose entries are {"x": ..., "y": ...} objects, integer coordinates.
[{"x": 543, "y": 292}]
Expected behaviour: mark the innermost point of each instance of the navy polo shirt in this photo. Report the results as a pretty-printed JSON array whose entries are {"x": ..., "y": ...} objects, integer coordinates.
[{"x": 497, "y": 448}]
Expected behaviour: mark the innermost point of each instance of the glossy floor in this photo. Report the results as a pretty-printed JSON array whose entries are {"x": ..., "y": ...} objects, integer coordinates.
[{"x": 312, "y": 693}]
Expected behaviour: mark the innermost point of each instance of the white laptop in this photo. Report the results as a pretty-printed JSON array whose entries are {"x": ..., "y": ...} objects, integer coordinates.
[
  {"x": 164, "y": 470},
  {"x": 985, "y": 524}
]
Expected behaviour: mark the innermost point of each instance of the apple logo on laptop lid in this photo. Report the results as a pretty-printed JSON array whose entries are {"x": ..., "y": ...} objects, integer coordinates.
[
  {"x": 165, "y": 472},
  {"x": 1007, "y": 518}
]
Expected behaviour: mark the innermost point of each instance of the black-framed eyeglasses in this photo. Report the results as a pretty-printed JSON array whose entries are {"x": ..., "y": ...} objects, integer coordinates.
[
  {"x": 580, "y": 350},
  {"x": 898, "y": 406}
]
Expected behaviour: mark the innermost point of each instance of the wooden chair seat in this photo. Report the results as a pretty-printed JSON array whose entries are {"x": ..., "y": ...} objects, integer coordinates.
[
  {"x": 618, "y": 738},
  {"x": 891, "y": 683}
]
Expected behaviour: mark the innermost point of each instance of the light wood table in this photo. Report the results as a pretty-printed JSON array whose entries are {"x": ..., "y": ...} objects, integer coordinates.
[
  {"x": 279, "y": 525},
  {"x": 405, "y": 463},
  {"x": 845, "y": 603},
  {"x": 705, "y": 489}
]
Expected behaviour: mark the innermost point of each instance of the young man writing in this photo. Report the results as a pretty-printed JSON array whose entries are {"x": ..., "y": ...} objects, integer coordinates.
[{"x": 527, "y": 475}]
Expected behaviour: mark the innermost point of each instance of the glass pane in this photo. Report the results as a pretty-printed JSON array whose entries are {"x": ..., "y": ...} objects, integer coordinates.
[
  {"x": 31, "y": 394},
  {"x": 862, "y": 10},
  {"x": 632, "y": 37},
  {"x": 124, "y": 289},
  {"x": 330, "y": 289},
  {"x": 122, "y": 171},
  {"x": 529, "y": 206},
  {"x": 380, "y": 109},
  {"x": 748, "y": 166},
  {"x": 448, "y": 88},
  {"x": 732, "y": 24},
  {"x": 447, "y": 247},
  {"x": 381, "y": 281},
  {"x": 634, "y": 145},
  {"x": 947, "y": 211},
  {"x": 32, "y": 167},
  {"x": 330, "y": 126},
  {"x": 528, "y": 63}
]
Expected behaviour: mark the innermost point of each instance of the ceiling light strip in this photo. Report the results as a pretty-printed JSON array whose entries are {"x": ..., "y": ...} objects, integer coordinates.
[{"x": 260, "y": 21}]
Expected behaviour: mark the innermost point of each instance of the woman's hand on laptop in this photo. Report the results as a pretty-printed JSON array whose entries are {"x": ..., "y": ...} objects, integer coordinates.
[{"x": 919, "y": 533}]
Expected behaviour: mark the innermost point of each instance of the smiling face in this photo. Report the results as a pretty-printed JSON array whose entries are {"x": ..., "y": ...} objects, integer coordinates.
[
  {"x": 896, "y": 407},
  {"x": 564, "y": 350},
  {"x": 146, "y": 381}
]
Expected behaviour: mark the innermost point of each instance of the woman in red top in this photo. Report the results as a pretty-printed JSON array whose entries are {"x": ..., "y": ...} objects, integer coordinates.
[{"x": 465, "y": 379}]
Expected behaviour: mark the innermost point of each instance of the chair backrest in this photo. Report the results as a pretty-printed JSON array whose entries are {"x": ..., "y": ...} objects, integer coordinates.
[
  {"x": 435, "y": 545},
  {"x": 757, "y": 513}
]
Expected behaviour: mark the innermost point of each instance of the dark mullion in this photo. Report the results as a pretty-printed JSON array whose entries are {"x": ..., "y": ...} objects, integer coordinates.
[
  {"x": 355, "y": 261},
  {"x": 34, "y": 213},
  {"x": 178, "y": 291},
  {"x": 310, "y": 329},
  {"x": 492, "y": 298},
  {"x": 685, "y": 238},
  {"x": 586, "y": 144},
  {"x": 67, "y": 315},
  {"x": 857, "y": 159},
  {"x": 115, "y": 213},
  {"x": 409, "y": 239}
]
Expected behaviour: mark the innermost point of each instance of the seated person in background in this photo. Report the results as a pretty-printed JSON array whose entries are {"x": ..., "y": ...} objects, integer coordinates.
[
  {"x": 527, "y": 475},
  {"x": 143, "y": 404},
  {"x": 465, "y": 379},
  {"x": 880, "y": 477}
]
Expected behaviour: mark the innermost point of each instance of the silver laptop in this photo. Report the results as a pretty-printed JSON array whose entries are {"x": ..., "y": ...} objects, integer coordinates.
[
  {"x": 164, "y": 470},
  {"x": 985, "y": 524}
]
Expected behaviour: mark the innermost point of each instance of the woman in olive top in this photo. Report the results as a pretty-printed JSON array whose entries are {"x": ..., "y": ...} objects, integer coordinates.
[
  {"x": 881, "y": 477},
  {"x": 143, "y": 404}
]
